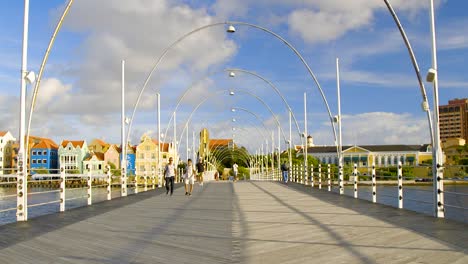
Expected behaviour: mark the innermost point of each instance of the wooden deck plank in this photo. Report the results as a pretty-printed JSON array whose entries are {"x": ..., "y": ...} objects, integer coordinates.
[{"x": 244, "y": 222}]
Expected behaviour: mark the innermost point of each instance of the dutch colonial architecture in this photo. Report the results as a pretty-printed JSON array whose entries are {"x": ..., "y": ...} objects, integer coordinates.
[
  {"x": 72, "y": 154},
  {"x": 131, "y": 158},
  {"x": 98, "y": 145},
  {"x": 94, "y": 163},
  {"x": 6, "y": 152},
  {"x": 147, "y": 155},
  {"x": 44, "y": 155},
  {"x": 112, "y": 156}
]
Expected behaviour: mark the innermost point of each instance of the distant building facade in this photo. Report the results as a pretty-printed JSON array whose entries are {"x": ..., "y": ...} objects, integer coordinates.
[
  {"x": 453, "y": 119},
  {"x": 112, "y": 156},
  {"x": 6, "y": 152},
  {"x": 44, "y": 155},
  {"x": 94, "y": 163},
  {"x": 71, "y": 154}
]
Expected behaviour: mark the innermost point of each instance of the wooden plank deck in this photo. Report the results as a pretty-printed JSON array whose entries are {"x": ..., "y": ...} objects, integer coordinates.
[{"x": 244, "y": 222}]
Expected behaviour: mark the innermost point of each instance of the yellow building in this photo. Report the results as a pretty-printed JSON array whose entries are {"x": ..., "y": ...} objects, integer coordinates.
[
  {"x": 380, "y": 155},
  {"x": 204, "y": 141},
  {"x": 146, "y": 158}
]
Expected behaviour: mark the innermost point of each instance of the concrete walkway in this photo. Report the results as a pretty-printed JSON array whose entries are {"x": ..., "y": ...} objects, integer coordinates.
[{"x": 244, "y": 222}]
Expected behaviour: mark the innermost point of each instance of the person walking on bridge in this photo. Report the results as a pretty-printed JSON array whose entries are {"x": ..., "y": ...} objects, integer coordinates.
[
  {"x": 200, "y": 171},
  {"x": 169, "y": 175},
  {"x": 285, "y": 171},
  {"x": 235, "y": 168},
  {"x": 189, "y": 177}
]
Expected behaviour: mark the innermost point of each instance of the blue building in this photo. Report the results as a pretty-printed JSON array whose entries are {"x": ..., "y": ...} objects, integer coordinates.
[
  {"x": 44, "y": 155},
  {"x": 131, "y": 150}
]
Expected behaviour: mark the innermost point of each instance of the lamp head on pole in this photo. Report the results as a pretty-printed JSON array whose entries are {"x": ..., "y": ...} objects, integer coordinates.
[
  {"x": 431, "y": 73},
  {"x": 231, "y": 29},
  {"x": 231, "y": 93},
  {"x": 30, "y": 77},
  {"x": 232, "y": 74},
  {"x": 233, "y": 109}
]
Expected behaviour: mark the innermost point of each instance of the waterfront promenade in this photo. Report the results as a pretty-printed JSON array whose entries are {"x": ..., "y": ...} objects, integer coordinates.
[{"x": 243, "y": 222}]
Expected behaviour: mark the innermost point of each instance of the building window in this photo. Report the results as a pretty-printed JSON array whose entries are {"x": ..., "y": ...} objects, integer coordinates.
[
  {"x": 44, "y": 161},
  {"x": 142, "y": 156},
  {"x": 34, "y": 161},
  {"x": 147, "y": 148},
  {"x": 39, "y": 161},
  {"x": 44, "y": 152},
  {"x": 34, "y": 152}
]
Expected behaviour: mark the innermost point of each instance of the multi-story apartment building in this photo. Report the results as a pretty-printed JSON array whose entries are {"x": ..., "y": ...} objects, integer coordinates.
[
  {"x": 6, "y": 152},
  {"x": 454, "y": 119},
  {"x": 146, "y": 159},
  {"x": 72, "y": 154},
  {"x": 44, "y": 155}
]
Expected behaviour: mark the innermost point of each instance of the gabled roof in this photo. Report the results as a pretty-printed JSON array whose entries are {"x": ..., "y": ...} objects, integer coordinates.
[
  {"x": 3, "y": 133},
  {"x": 75, "y": 143},
  {"x": 214, "y": 143},
  {"x": 163, "y": 145},
  {"x": 99, "y": 142},
  {"x": 117, "y": 148},
  {"x": 45, "y": 143},
  {"x": 99, "y": 156}
]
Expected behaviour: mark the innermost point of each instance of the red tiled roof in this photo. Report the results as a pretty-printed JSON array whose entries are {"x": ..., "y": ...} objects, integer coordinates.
[
  {"x": 46, "y": 144},
  {"x": 99, "y": 156},
  {"x": 214, "y": 143},
  {"x": 99, "y": 142},
  {"x": 2, "y": 133},
  {"x": 75, "y": 143},
  {"x": 164, "y": 146}
]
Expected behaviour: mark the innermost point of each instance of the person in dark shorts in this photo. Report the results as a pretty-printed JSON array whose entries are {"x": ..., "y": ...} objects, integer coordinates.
[{"x": 200, "y": 170}]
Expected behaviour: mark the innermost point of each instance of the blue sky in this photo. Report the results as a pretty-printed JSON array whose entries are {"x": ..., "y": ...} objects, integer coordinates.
[{"x": 80, "y": 96}]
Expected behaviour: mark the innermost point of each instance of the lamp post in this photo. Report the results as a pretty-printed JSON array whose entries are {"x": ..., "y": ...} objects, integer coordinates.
[
  {"x": 158, "y": 96},
  {"x": 338, "y": 120},
  {"x": 305, "y": 140},
  {"x": 22, "y": 164},
  {"x": 123, "y": 160},
  {"x": 437, "y": 164}
]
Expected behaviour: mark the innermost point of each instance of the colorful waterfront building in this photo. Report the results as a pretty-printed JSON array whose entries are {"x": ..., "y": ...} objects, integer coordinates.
[
  {"x": 6, "y": 152},
  {"x": 44, "y": 156},
  {"x": 71, "y": 155}
]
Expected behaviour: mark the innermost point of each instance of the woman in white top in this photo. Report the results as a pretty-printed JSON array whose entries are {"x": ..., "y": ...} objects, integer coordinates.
[
  {"x": 169, "y": 175},
  {"x": 189, "y": 177}
]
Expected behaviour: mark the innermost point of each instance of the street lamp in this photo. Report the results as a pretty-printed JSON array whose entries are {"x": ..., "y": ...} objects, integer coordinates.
[
  {"x": 231, "y": 29},
  {"x": 232, "y": 74}
]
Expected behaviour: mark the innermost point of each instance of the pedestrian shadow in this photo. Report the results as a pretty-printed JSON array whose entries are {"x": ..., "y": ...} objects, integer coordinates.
[{"x": 454, "y": 234}]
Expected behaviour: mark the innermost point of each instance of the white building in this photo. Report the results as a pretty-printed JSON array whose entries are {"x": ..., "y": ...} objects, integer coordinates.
[{"x": 6, "y": 151}]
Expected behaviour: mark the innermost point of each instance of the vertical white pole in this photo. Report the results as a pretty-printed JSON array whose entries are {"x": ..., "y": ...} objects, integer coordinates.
[
  {"x": 312, "y": 178},
  {"x": 159, "y": 141},
  {"x": 340, "y": 143},
  {"x": 400, "y": 185},
  {"x": 290, "y": 143},
  {"x": 437, "y": 164},
  {"x": 374, "y": 183},
  {"x": 320, "y": 176},
  {"x": 153, "y": 179},
  {"x": 22, "y": 178},
  {"x": 90, "y": 187},
  {"x": 176, "y": 160},
  {"x": 305, "y": 139},
  {"x": 193, "y": 146},
  {"x": 109, "y": 175},
  {"x": 279, "y": 153},
  {"x": 62, "y": 188},
  {"x": 355, "y": 174},
  {"x": 187, "y": 146},
  {"x": 272, "y": 152},
  {"x": 328, "y": 177},
  {"x": 123, "y": 159}
]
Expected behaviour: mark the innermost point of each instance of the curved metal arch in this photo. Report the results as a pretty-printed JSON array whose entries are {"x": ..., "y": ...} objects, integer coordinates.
[
  {"x": 204, "y": 100},
  {"x": 41, "y": 70},
  {"x": 289, "y": 45},
  {"x": 243, "y": 71}
]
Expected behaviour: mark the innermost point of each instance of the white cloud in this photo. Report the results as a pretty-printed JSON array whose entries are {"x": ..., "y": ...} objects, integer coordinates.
[{"x": 378, "y": 128}]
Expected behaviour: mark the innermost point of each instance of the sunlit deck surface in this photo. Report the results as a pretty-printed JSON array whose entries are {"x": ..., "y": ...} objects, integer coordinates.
[{"x": 243, "y": 222}]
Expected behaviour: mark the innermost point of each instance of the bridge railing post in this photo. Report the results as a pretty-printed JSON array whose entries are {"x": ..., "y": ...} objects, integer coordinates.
[
  {"x": 320, "y": 176},
  {"x": 355, "y": 174},
  {"x": 146, "y": 180},
  {"x": 123, "y": 182},
  {"x": 137, "y": 178},
  {"x": 90, "y": 187},
  {"x": 400, "y": 185},
  {"x": 374, "y": 184},
  {"x": 153, "y": 179},
  {"x": 62, "y": 188},
  {"x": 329, "y": 177},
  {"x": 341, "y": 178},
  {"x": 312, "y": 176},
  {"x": 109, "y": 177}
]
